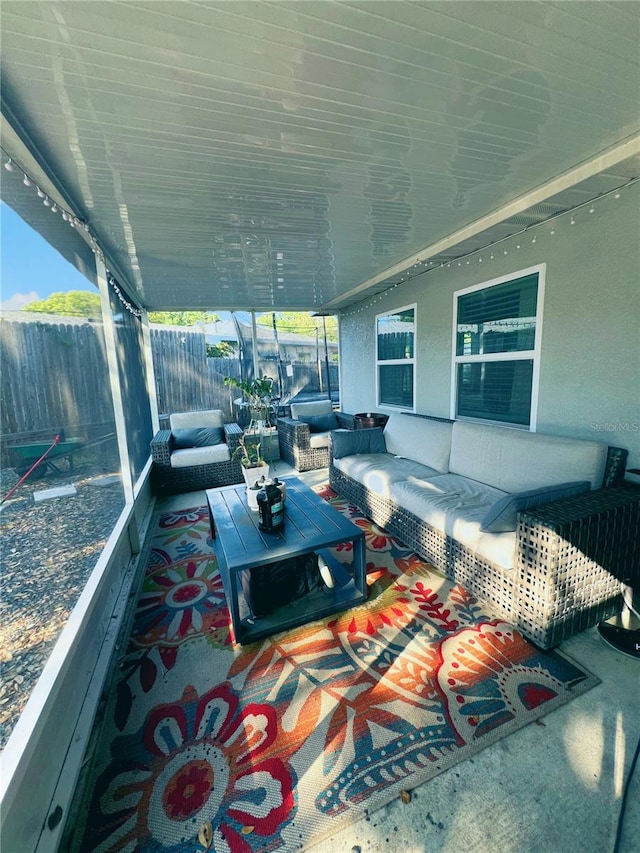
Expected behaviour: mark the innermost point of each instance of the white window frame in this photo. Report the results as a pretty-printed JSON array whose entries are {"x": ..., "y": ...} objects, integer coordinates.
[
  {"x": 390, "y": 362},
  {"x": 531, "y": 354}
]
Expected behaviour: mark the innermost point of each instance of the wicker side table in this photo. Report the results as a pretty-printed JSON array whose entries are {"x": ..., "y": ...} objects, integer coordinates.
[{"x": 573, "y": 556}]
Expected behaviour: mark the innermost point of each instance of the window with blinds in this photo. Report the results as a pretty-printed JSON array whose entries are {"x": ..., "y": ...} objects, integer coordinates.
[
  {"x": 395, "y": 357},
  {"x": 496, "y": 351}
]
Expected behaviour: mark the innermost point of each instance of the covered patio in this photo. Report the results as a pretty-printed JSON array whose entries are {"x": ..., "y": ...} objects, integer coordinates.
[{"x": 370, "y": 160}]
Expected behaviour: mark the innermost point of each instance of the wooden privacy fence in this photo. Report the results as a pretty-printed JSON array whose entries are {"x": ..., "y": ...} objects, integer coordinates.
[{"x": 54, "y": 376}]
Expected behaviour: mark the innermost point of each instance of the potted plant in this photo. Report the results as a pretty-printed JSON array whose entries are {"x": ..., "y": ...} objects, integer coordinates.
[
  {"x": 258, "y": 393},
  {"x": 253, "y": 465}
]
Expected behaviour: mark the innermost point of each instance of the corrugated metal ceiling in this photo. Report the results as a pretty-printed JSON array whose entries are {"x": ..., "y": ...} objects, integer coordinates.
[{"x": 299, "y": 155}]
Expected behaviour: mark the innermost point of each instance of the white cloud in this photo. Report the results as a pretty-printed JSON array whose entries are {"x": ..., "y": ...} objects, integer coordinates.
[{"x": 18, "y": 301}]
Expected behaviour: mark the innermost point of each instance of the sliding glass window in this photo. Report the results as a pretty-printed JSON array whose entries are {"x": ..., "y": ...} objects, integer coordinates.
[
  {"x": 395, "y": 358},
  {"x": 496, "y": 349}
]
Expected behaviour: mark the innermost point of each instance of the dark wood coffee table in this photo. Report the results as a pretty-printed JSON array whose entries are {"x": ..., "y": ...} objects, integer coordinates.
[{"x": 310, "y": 525}]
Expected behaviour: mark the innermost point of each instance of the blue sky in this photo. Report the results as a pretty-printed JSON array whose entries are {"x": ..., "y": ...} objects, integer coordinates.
[{"x": 30, "y": 268}]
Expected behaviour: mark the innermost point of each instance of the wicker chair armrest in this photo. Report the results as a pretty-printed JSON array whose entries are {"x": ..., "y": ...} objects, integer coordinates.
[
  {"x": 296, "y": 433},
  {"x": 615, "y": 466},
  {"x": 603, "y": 525},
  {"x": 161, "y": 447},
  {"x": 581, "y": 507},
  {"x": 232, "y": 434},
  {"x": 345, "y": 421}
]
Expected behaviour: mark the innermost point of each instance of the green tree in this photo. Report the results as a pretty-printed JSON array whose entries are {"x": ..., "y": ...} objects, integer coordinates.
[
  {"x": 182, "y": 318},
  {"x": 223, "y": 349},
  {"x": 74, "y": 303},
  {"x": 301, "y": 323}
]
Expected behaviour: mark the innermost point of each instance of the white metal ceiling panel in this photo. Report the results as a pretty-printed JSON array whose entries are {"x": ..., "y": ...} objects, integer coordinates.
[{"x": 279, "y": 154}]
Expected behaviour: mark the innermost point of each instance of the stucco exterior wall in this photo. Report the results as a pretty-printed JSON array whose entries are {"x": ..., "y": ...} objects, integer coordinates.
[{"x": 590, "y": 357}]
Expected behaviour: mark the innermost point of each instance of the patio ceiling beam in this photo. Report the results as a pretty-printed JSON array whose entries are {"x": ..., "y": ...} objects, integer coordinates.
[{"x": 605, "y": 160}]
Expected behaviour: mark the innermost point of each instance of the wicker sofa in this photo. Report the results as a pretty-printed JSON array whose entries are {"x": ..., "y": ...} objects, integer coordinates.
[
  {"x": 453, "y": 492},
  {"x": 304, "y": 444},
  {"x": 200, "y": 465}
]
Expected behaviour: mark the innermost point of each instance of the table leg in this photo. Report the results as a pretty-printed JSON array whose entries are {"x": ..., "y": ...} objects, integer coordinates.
[{"x": 359, "y": 564}]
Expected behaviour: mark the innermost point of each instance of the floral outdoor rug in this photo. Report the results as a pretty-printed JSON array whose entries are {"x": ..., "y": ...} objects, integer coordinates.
[{"x": 275, "y": 745}]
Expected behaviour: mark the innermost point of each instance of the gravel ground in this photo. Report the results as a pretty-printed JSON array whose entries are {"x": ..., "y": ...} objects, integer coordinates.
[{"x": 48, "y": 552}]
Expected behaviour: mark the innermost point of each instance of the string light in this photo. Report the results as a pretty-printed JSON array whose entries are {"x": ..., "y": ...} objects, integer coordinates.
[
  {"x": 73, "y": 221},
  {"x": 123, "y": 300},
  {"x": 76, "y": 222}
]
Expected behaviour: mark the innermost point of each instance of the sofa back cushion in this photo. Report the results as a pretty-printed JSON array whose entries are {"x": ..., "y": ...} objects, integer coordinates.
[
  {"x": 190, "y": 420},
  {"x": 426, "y": 441},
  {"x": 312, "y": 408},
  {"x": 349, "y": 442},
  {"x": 514, "y": 460},
  {"x": 197, "y": 437},
  {"x": 320, "y": 423}
]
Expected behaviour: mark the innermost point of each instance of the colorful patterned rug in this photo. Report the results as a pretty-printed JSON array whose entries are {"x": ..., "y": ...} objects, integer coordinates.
[{"x": 276, "y": 745}]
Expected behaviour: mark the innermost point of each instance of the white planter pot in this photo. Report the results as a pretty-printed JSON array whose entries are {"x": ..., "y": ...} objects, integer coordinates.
[{"x": 252, "y": 474}]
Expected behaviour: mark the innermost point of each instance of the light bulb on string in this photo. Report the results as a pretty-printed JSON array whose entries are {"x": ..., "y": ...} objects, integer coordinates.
[
  {"x": 26, "y": 181},
  {"x": 9, "y": 165},
  {"x": 41, "y": 193}
]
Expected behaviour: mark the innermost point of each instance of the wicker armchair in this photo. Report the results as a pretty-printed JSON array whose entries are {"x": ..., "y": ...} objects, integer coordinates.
[
  {"x": 300, "y": 445},
  {"x": 177, "y": 470}
]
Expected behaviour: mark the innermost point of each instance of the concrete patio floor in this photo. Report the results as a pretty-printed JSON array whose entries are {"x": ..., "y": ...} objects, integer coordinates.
[{"x": 555, "y": 787}]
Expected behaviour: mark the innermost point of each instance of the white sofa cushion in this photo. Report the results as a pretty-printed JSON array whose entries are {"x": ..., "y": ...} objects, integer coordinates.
[
  {"x": 428, "y": 442},
  {"x": 514, "y": 460},
  {"x": 377, "y": 471},
  {"x": 312, "y": 408},
  {"x": 189, "y": 420},
  {"x": 319, "y": 439},
  {"x": 200, "y": 456},
  {"x": 456, "y": 505}
]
